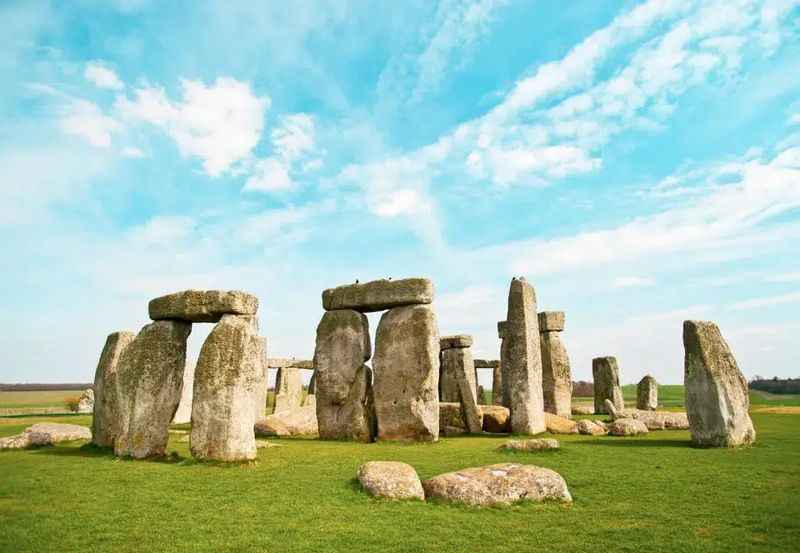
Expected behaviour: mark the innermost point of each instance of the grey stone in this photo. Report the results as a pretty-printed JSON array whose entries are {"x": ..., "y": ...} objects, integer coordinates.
[
  {"x": 86, "y": 401},
  {"x": 503, "y": 483},
  {"x": 106, "y": 396},
  {"x": 229, "y": 371},
  {"x": 560, "y": 425},
  {"x": 390, "y": 480},
  {"x": 647, "y": 394},
  {"x": 502, "y": 328},
  {"x": 288, "y": 390},
  {"x": 580, "y": 409},
  {"x": 343, "y": 383},
  {"x": 451, "y": 419},
  {"x": 606, "y": 383},
  {"x": 487, "y": 363},
  {"x": 495, "y": 418},
  {"x": 627, "y": 427},
  {"x": 312, "y": 384},
  {"x": 556, "y": 374},
  {"x": 456, "y": 364},
  {"x": 531, "y": 444},
  {"x": 455, "y": 341},
  {"x": 521, "y": 360},
  {"x": 497, "y": 386},
  {"x": 45, "y": 433},
  {"x": 202, "y": 306},
  {"x": 261, "y": 392},
  {"x": 379, "y": 295},
  {"x": 149, "y": 381},
  {"x": 551, "y": 321},
  {"x": 717, "y": 400},
  {"x": 184, "y": 413},
  {"x": 406, "y": 367},
  {"x": 300, "y": 422},
  {"x": 590, "y": 428}
]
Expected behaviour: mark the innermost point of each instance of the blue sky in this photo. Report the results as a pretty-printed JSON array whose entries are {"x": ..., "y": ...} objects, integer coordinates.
[{"x": 639, "y": 163}]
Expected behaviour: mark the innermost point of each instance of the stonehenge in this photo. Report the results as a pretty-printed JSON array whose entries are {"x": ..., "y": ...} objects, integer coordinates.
[
  {"x": 521, "y": 360},
  {"x": 717, "y": 399},
  {"x": 288, "y": 389},
  {"x": 556, "y": 374},
  {"x": 202, "y": 306},
  {"x": 647, "y": 394},
  {"x": 606, "y": 384},
  {"x": 106, "y": 393},
  {"x": 458, "y": 378},
  {"x": 379, "y": 295}
]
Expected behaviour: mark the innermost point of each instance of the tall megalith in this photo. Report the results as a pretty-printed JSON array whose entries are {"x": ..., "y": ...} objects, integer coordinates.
[
  {"x": 717, "y": 400},
  {"x": 148, "y": 382},
  {"x": 556, "y": 373},
  {"x": 521, "y": 359},
  {"x": 458, "y": 379},
  {"x": 647, "y": 394},
  {"x": 106, "y": 396},
  {"x": 342, "y": 381},
  {"x": 605, "y": 373}
]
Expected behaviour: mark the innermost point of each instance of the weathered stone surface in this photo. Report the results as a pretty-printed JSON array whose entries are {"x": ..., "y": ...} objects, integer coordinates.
[
  {"x": 582, "y": 410},
  {"x": 502, "y": 328},
  {"x": 590, "y": 428},
  {"x": 312, "y": 384},
  {"x": 184, "y": 413},
  {"x": 311, "y": 399},
  {"x": 149, "y": 379},
  {"x": 654, "y": 420},
  {"x": 451, "y": 419},
  {"x": 260, "y": 394},
  {"x": 390, "y": 480},
  {"x": 202, "y": 306},
  {"x": 379, "y": 295},
  {"x": 86, "y": 401},
  {"x": 532, "y": 444},
  {"x": 456, "y": 365},
  {"x": 606, "y": 383},
  {"x": 455, "y": 341},
  {"x": 106, "y": 395},
  {"x": 497, "y": 386},
  {"x": 46, "y": 433},
  {"x": 560, "y": 425},
  {"x": 503, "y": 483},
  {"x": 495, "y": 418},
  {"x": 627, "y": 427},
  {"x": 717, "y": 400},
  {"x": 521, "y": 360},
  {"x": 229, "y": 371},
  {"x": 288, "y": 389},
  {"x": 647, "y": 394},
  {"x": 300, "y": 423},
  {"x": 551, "y": 321},
  {"x": 406, "y": 366},
  {"x": 556, "y": 375},
  {"x": 487, "y": 363},
  {"x": 343, "y": 383}
]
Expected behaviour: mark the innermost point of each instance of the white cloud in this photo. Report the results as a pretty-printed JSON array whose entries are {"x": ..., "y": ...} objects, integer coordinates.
[
  {"x": 102, "y": 77},
  {"x": 269, "y": 175},
  {"x": 794, "y": 119},
  {"x": 219, "y": 123},
  {"x": 755, "y": 303},
  {"x": 163, "y": 230},
  {"x": 784, "y": 277},
  {"x": 132, "y": 152},
  {"x": 83, "y": 118},
  {"x": 633, "y": 282}
]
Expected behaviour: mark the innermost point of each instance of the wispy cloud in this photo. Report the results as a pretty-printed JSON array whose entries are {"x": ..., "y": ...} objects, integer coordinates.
[
  {"x": 755, "y": 303},
  {"x": 102, "y": 76},
  {"x": 633, "y": 282},
  {"x": 85, "y": 119}
]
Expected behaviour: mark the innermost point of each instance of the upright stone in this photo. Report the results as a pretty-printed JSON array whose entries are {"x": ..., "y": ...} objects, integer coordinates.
[
  {"x": 260, "y": 396},
  {"x": 202, "y": 306},
  {"x": 647, "y": 394},
  {"x": 606, "y": 384},
  {"x": 497, "y": 386},
  {"x": 521, "y": 359},
  {"x": 717, "y": 400},
  {"x": 458, "y": 379},
  {"x": 288, "y": 389},
  {"x": 378, "y": 295},
  {"x": 406, "y": 366},
  {"x": 226, "y": 384},
  {"x": 184, "y": 413},
  {"x": 556, "y": 373},
  {"x": 106, "y": 396},
  {"x": 149, "y": 380},
  {"x": 342, "y": 382}
]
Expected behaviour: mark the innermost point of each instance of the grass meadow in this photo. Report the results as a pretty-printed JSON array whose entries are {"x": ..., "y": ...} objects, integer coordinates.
[{"x": 651, "y": 493}]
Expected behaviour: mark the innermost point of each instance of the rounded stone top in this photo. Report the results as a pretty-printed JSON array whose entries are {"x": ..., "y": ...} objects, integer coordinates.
[
  {"x": 455, "y": 341},
  {"x": 202, "y": 306}
]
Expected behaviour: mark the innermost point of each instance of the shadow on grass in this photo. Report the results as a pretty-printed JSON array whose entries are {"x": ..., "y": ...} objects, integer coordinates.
[
  {"x": 91, "y": 450},
  {"x": 627, "y": 442}
]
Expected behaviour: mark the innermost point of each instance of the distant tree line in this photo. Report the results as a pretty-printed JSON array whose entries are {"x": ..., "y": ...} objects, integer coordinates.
[
  {"x": 776, "y": 385},
  {"x": 32, "y": 387}
]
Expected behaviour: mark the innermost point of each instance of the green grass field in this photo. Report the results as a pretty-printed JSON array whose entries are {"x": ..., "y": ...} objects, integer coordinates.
[
  {"x": 654, "y": 493},
  {"x": 46, "y": 398}
]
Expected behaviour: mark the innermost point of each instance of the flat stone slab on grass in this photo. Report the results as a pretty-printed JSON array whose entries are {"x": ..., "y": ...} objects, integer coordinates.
[
  {"x": 591, "y": 428},
  {"x": 503, "y": 483},
  {"x": 560, "y": 425},
  {"x": 390, "y": 480},
  {"x": 378, "y": 295},
  {"x": 202, "y": 306},
  {"x": 46, "y": 433},
  {"x": 299, "y": 422},
  {"x": 582, "y": 410},
  {"x": 533, "y": 444},
  {"x": 627, "y": 427}
]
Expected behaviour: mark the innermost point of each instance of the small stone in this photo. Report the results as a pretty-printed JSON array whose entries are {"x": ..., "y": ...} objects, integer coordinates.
[
  {"x": 378, "y": 295},
  {"x": 590, "y": 428},
  {"x": 390, "y": 480},
  {"x": 582, "y": 410},
  {"x": 86, "y": 402},
  {"x": 560, "y": 425},
  {"x": 202, "y": 306},
  {"x": 606, "y": 383},
  {"x": 647, "y": 394},
  {"x": 495, "y": 418},
  {"x": 456, "y": 341},
  {"x": 45, "y": 433},
  {"x": 627, "y": 427},
  {"x": 533, "y": 444},
  {"x": 551, "y": 321},
  {"x": 300, "y": 422},
  {"x": 503, "y": 483}
]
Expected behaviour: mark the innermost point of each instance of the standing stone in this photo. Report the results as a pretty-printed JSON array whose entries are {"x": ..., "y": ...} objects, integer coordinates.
[
  {"x": 342, "y": 382},
  {"x": 260, "y": 396},
  {"x": 556, "y": 374},
  {"x": 606, "y": 384},
  {"x": 406, "y": 366},
  {"x": 226, "y": 384},
  {"x": 647, "y": 394},
  {"x": 288, "y": 389},
  {"x": 312, "y": 384},
  {"x": 184, "y": 413},
  {"x": 497, "y": 386},
  {"x": 521, "y": 360},
  {"x": 717, "y": 400},
  {"x": 106, "y": 397},
  {"x": 149, "y": 381},
  {"x": 86, "y": 402},
  {"x": 458, "y": 379}
]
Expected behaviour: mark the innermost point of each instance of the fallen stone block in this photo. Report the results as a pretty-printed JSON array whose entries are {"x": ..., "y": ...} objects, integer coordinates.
[
  {"x": 533, "y": 444},
  {"x": 299, "y": 423},
  {"x": 390, "y": 480}
]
